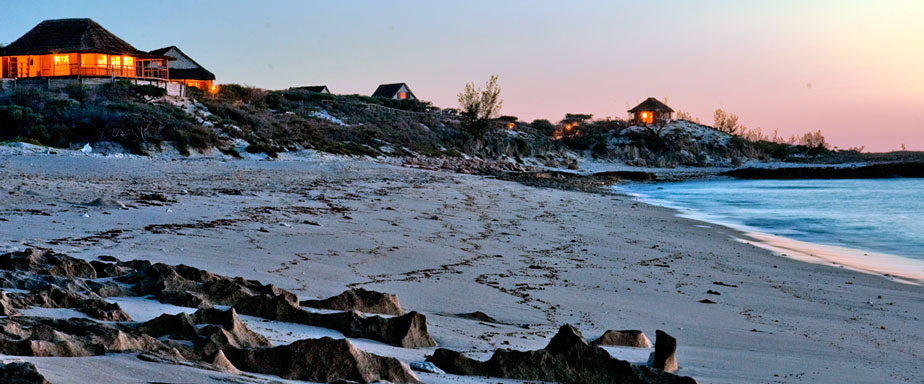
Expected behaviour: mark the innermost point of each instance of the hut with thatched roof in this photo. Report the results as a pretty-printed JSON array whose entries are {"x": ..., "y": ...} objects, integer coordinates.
[
  {"x": 397, "y": 91},
  {"x": 183, "y": 69},
  {"x": 78, "y": 48},
  {"x": 650, "y": 111}
]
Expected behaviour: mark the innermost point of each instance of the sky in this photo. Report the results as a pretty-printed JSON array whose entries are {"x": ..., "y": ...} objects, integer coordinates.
[{"x": 852, "y": 69}]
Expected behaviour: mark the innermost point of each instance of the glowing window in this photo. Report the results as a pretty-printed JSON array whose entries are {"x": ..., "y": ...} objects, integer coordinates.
[
  {"x": 644, "y": 115},
  {"x": 116, "y": 61},
  {"x": 62, "y": 60},
  {"x": 129, "y": 61},
  {"x": 402, "y": 95},
  {"x": 101, "y": 60}
]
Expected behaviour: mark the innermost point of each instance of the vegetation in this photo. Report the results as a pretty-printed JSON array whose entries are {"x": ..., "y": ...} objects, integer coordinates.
[{"x": 478, "y": 106}]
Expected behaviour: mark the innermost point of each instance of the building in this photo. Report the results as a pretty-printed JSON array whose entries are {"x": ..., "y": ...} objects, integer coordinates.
[
  {"x": 650, "y": 111},
  {"x": 183, "y": 69},
  {"x": 314, "y": 88},
  {"x": 78, "y": 48},
  {"x": 397, "y": 91}
]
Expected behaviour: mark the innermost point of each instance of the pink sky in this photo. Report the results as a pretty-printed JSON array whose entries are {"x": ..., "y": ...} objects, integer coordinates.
[{"x": 852, "y": 68}]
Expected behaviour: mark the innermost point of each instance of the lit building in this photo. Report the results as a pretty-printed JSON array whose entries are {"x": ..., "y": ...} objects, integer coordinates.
[
  {"x": 650, "y": 111},
  {"x": 183, "y": 69},
  {"x": 397, "y": 91}
]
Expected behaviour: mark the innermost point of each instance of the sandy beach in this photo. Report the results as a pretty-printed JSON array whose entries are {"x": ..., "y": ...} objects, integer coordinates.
[{"x": 447, "y": 244}]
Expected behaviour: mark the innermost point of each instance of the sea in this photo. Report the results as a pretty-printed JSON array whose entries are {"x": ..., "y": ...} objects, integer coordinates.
[{"x": 877, "y": 215}]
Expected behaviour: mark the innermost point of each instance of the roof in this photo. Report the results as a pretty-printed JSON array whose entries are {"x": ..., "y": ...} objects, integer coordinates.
[
  {"x": 71, "y": 36},
  {"x": 199, "y": 73},
  {"x": 314, "y": 88},
  {"x": 653, "y": 105},
  {"x": 389, "y": 90}
]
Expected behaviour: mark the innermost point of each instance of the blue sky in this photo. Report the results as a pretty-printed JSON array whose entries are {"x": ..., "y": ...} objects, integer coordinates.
[{"x": 795, "y": 66}]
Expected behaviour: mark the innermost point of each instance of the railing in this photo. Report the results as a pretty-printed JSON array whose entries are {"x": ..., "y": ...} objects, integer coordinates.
[{"x": 93, "y": 70}]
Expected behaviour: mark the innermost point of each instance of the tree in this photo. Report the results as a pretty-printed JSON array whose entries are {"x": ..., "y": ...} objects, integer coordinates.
[
  {"x": 726, "y": 122},
  {"x": 481, "y": 104},
  {"x": 681, "y": 115}
]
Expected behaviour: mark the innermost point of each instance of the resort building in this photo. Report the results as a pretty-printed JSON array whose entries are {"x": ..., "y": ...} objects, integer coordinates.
[
  {"x": 650, "y": 111},
  {"x": 397, "y": 91},
  {"x": 314, "y": 88},
  {"x": 185, "y": 70},
  {"x": 75, "y": 48}
]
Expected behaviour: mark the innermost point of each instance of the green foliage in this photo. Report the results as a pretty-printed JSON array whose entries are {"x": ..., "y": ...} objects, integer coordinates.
[
  {"x": 478, "y": 106},
  {"x": 262, "y": 148},
  {"x": 78, "y": 92},
  {"x": 544, "y": 127}
]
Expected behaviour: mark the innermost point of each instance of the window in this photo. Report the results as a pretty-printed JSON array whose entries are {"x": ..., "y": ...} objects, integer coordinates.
[
  {"x": 62, "y": 59},
  {"x": 129, "y": 61},
  {"x": 116, "y": 61},
  {"x": 402, "y": 95}
]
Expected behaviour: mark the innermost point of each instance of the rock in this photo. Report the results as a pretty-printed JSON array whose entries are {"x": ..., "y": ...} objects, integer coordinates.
[
  {"x": 106, "y": 204},
  {"x": 707, "y": 301},
  {"x": 6, "y": 306},
  {"x": 31, "y": 336},
  {"x": 46, "y": 262},
  {"x": 663, "y": 356},
  {"x": 321, "y": 360},
  {"x": 158, "y": 197},
  {"x": 567, "y": 358},
  {"x": 21, "y": 373},
  {"x": 425, "y": 366},
  {"x": 210, "y": 330},
  {"x": 479, "y": 316},
  {"x": 408, "y": 330},
  {"x": 222, "y": 364},
  {"x": 53, "y": 297},
  {"x": 360, "y": 300},
  {"x": 111, "y": 259},
  {"x": 627, "y": 338}
]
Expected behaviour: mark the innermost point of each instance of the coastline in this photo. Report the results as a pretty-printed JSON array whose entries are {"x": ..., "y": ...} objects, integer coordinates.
[
  {"x": 550, "y": 257},
  {"x": 889, "y": 266}
]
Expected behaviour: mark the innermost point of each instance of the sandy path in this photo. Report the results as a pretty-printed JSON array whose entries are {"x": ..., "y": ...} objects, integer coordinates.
[{"x": 448, "y": 244}]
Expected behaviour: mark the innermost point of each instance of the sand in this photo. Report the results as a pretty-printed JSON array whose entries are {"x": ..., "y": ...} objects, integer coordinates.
[{"x": 449, "y": 244}]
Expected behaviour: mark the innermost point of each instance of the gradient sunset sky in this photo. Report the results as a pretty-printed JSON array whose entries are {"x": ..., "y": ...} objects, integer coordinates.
[{"x": 854, "y": 69}]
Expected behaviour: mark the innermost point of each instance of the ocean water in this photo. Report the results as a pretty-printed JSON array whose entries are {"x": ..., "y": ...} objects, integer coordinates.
[{"x": 883, "y": 215}]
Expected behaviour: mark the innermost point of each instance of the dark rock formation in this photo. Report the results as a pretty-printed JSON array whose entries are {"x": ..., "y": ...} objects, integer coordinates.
[
  {"x": 872, "y": 171},
  {"x": 210, "y": 330},
  {"x": 31, "y": 336},
  {"x": 479, "y": 316},
  {"x": 360, "y": 300},
  {"x": 408, "y": 330},
  {"x": 21, "y": 373},
  {"x": 321, "y": 360},
  {"x": 567, "y": 358},
  {"x": 628, "y": 338},
  {"x": 663, "y": 356},
  {"x": 45, "y": 262},
  {"x": 52, "y": 297}
]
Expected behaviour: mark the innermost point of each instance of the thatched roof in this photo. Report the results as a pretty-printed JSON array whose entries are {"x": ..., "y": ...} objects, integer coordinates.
[
  {"x": 651, "y": 104},
  {"x": 314, "y": 88},
  {"x": 71, "y": 36},
  {"x": 389, "y": 90},
  {"x": 197, "y": 73}
]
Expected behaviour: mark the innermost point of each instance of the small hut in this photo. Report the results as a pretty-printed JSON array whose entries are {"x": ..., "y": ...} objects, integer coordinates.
[
  {"x": 397, "y": 91},
  {"x": 651, "y": 111},
  {"x": 78, "y": 48},
  {"x": 314, "y": 88},
  {"x": 185, "y": 70}
]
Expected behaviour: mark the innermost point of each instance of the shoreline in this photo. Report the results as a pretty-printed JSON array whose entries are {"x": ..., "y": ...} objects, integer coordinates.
[
  {"x": 550, "y": 257},
  {"x": 897, "y": 268}
]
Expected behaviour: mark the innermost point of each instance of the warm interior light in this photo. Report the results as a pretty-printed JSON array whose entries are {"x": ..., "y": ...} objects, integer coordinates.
[
  {"x": 644, "y": 115},
  {"x": 129, "y": 61},
  {"x": 116, "y": 61},
  {"x": 101, "y": 60},
  {"x": 62, "y": 60},
  {"x": 509, "y": 125},
  {"x": 402, "y": 95}
]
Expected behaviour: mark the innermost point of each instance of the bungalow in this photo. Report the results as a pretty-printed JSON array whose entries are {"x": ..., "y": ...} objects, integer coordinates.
[
  {"x": 650, "y": 111},
  {"x": 314, "y": 88},
  {"x": 397, "y": 91},
  {"x": 75, "y": 48},
  {"x": 185, "y": 70}
]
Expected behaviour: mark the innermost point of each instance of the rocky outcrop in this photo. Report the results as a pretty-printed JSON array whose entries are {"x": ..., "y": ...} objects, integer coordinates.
[
  {"x": 192, "y": 287},
  {"x": 31, "y": 336},
  {"x": 45, "y": 262},
  {"x": 20, "y": 373},
  {"x": 408, "y": 330},
  {"x": 567, "y": 358},
  {"x": 361, "y": 300},
  {"x": 628, "y": 338},
  {"x": 52, "y": 297},
  {"x": 321, "y": 360},
  {"x": 663, "y": 356},
  {"x": 210, "y": 331}
]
